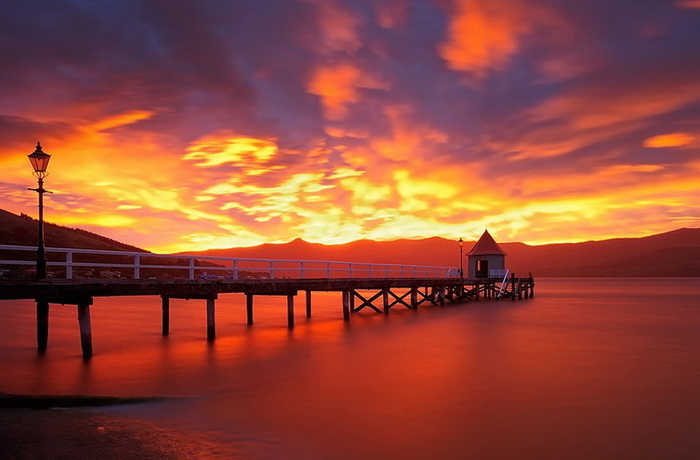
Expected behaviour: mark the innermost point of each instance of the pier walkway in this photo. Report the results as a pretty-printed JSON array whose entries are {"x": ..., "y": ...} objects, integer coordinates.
[{"x": 80, "y": 275}]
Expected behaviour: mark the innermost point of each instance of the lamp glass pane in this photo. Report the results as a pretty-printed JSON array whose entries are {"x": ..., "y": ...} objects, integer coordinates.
[{"x": 40, "y": 161}]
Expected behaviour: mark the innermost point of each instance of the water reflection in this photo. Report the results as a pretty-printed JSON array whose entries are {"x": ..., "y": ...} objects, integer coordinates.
[{"x": 584, "y": 370}]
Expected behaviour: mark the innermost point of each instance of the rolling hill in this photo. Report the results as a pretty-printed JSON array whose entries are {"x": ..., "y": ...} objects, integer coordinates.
[{"x": 23, "y": 230}]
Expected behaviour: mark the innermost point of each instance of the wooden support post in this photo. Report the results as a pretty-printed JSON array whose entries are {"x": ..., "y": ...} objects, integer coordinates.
[
  {"x": 290, "y": 311},
  {"x": 249, "y": 309},
  {"x": 478, "y": 286},
  {"x": 165, "y": 303},
  {"x": 85, "y": 328},
  {"x": 308, "y": 304},
  {"x": 42, "y": 325},
  {"x": 351, "y": 300},
  {"x": 414, "y": 298},
  {"x": 385, "y": 299},
  {"x": 512, "y": 287},
  {"x": 211, "y": 319},
  {"x": 520, "y": 290},
  {"x": 346, "y": 305}
]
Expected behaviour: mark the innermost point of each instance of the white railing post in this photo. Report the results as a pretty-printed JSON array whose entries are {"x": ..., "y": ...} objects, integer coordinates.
[
  {"x": 301, "y": 270},
  {"x": 69, "y": 265},
  {"x": 350, "y": 270},
  {"x": 328, "y": 270},
  {"x": 137, "y": 267},
  {"x": 369, "y": 270},
  {"x": 191, "y": 268},
  {"x": 272, "y": 270},
  {"x": 235, "y": 269}
]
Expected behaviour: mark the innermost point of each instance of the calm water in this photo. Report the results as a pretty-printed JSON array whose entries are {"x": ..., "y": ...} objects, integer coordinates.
[{"x": 587, "y": 369}]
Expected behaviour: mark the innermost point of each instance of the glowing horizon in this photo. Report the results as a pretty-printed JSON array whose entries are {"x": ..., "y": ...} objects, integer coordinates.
[{"x": 182, "y": 128}]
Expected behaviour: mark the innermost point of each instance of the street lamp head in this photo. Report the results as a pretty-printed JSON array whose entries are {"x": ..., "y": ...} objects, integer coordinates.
[
  {"x": 40, "y": 161},
  {"x": 460, "y": 241}
]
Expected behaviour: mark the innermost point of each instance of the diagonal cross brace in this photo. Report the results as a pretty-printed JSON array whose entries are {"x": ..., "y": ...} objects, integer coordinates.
[
  {"x": 425, "y": 296},
  {"x": 367, "y": 302},
  {"x": 399, "y": 299}
]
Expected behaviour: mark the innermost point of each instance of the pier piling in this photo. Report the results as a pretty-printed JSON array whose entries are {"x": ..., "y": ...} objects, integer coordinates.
[
  {"x": 346, "y": 304},
  {"x": 249, "y": 309},
  {"x": 211, "y": 320},
  {"x": 290, "y": 311},
  {"x": 85, "y": 329},
  {"x": 165, "y": 304},
  {"x": 42, "y": 325}
]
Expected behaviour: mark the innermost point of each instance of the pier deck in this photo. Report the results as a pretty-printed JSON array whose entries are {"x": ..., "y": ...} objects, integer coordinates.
[{"x": 66, "y": 290}]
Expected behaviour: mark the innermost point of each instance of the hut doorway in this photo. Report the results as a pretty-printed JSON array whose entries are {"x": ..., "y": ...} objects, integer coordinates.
[{"x": 482, "y": 268}]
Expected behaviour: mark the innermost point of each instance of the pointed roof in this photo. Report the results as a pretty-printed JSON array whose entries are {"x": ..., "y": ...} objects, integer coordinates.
[{"x": 486, "y": 246}]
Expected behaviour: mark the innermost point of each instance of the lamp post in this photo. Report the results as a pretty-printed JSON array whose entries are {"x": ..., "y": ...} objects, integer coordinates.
[
  {"x": 461, "y": 266},
  {"x": 40, "y": 161}
]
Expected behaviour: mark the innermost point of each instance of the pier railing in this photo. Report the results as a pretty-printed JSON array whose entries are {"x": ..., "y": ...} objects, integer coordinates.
[{"x": 70, "y": 263}]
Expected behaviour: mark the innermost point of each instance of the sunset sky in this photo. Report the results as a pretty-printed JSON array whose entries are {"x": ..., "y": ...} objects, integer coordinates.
[{"x": 183, "y": 125}]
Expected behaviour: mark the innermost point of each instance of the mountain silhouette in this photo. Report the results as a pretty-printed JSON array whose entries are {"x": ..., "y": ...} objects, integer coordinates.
[{"x": 671, "y": 254}]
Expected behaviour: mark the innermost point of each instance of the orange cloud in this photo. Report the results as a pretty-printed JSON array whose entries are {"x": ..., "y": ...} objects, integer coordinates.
[
  {"x": 625, "y": 169},
  {"x": 483, "y": 34},
  {"x": 688, "y": 4},
  {"x": 100, "y": 220},
  {"x": 337, "y": 86},
  {"x": 338, "y": 26},
  {"x": 392, "y": 15},
  {"x": 225, "y": 147},
  {"x": 599, "y": 106},
  {"x": 122, "y": 119},
  {"x": 669, "y": 140}
]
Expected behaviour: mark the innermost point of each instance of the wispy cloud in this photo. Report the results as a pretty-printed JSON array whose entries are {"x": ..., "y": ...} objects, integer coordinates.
[{"x": 185, "y": 125}]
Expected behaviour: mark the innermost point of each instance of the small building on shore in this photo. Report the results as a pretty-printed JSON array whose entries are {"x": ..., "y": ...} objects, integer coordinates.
[{"x": 484, "y": 256}]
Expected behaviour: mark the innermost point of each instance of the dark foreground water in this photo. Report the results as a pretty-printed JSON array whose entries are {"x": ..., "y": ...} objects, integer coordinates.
[{"x": 588, "y": 369}]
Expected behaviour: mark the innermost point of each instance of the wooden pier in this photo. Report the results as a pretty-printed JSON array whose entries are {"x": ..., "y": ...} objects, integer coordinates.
[
  {"x": 377, "y": 294},
  {"x": 379, "y": 287}
]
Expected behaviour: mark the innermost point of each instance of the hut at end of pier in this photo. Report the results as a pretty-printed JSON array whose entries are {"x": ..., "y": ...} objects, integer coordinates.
[{"x": 484, "y": 256}]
